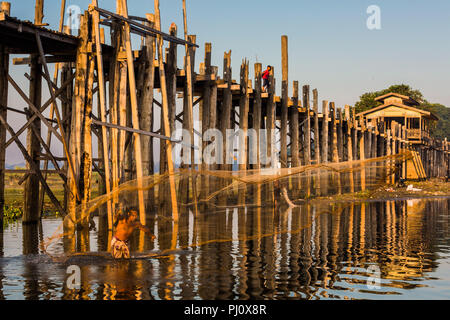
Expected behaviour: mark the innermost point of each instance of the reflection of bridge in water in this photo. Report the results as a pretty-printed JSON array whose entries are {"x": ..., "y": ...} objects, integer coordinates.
[
  {"x": 102, "y": 88},
  {"x": 312, "y": 251}
]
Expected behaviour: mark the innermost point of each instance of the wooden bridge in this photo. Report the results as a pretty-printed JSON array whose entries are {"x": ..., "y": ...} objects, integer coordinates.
[{"x": 108, "y": 90}]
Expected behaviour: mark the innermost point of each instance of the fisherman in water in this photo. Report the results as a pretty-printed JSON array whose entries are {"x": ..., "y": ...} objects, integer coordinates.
[{"x": 125, "y": 225}]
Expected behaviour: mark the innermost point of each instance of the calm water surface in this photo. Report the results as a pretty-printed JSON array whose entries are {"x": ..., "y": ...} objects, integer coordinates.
[{"x": 311, "y": 252}]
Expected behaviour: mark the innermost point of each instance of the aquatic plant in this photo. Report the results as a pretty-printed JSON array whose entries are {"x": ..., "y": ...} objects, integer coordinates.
[{"x": 12, "y": 212}]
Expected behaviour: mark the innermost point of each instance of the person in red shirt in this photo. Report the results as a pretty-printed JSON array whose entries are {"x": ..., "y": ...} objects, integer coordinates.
[{"x": 265, "y": 77}]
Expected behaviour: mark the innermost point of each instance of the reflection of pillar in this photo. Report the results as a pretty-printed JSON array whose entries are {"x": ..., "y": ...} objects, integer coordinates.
[
  {"x": 30, "y": 245},
  {"x": 305, "y": 251}
]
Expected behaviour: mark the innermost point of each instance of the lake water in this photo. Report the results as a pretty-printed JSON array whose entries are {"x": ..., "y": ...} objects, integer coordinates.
[{"x": 374, "y": 250}]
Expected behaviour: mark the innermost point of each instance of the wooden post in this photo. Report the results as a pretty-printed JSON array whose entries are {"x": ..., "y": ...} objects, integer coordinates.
[
  {"x": 393, "y": 148},
  {"x": 349, "y": 145},
  {"x": 4, "y": 69},
  {"x": 334, "y": 146},
  {"x": 212, "y": 122},
  {"x": 362, "y": 156},
  {"x": 134, "y": 112},
  {"x": 270, "y": 120},
  {"x": 102, "y": 103},
  {"x": 86, "y": 144},
  {"x": 227, "y": 102},
  {"x": 284, "y": 99},
  {"x": 307, "y": 126},
  {"x": 146, "y": 105},
  {"x": 49, "y": 133},
  {"x": 165, "y": 109},
  {"x": 325, "y": 131},
  {"x": 257, "y": 105},
  {"x": 316, "y": 126},
  {"x": 340, "y": 133},
  {"x": 39, "y": 12},
  {"x": 293, "y": 128},
  {"x": 243, "y": 116},
  {"x": 388, "y": 153},
  {"x": 5, "y": 7},
  {"x": 334, "y": 139},
  {"x": 31, "y": 191}
]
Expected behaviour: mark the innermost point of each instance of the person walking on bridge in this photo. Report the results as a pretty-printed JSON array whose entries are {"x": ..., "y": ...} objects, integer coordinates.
[{"x": 265, "y": 77}]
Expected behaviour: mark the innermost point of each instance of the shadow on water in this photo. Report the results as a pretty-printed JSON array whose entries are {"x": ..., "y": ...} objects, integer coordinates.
[{"x": 321, "y": 251}]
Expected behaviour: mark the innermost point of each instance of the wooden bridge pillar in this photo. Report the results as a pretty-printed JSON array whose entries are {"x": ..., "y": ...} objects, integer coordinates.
[
  {"x": 307, "y": 126},
  {"x": 4, "y": 67},
  {"x": 284, "y": 100},
  {"x": 31, "y": 191},
  {"x": 293, "y": 128},
  {"x": 257, "y": 116}
]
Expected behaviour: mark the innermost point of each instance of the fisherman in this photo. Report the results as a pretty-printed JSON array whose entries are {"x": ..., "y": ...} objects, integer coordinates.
[
  {"x": 125, "y": 225},
  {"x": 265, "y": 77}
]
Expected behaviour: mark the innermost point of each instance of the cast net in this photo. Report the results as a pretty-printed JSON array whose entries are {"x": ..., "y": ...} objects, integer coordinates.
[{"x": 216, "y": 206}]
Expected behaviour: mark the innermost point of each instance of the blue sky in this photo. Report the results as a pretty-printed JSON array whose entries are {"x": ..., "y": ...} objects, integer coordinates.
[{"x": 330, "y": 47}]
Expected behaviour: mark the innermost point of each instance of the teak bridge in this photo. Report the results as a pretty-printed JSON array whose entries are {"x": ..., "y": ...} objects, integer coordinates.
[{"x": 106, "y": 89}]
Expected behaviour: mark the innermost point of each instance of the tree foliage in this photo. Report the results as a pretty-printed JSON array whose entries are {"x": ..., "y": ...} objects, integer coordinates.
[{"x": 441, "y": 129}]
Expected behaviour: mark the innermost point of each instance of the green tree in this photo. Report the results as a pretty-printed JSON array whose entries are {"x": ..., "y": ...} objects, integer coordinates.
[
  {"x": 441, "y": 129},
  {"x": 367, "y": 100}
]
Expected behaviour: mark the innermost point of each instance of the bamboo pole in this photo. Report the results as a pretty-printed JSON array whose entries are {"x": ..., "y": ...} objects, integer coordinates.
[{"x": 102, "y": 103}]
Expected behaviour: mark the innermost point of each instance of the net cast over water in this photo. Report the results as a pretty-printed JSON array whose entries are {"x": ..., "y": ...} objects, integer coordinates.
[{"x": 202, "y": 193}]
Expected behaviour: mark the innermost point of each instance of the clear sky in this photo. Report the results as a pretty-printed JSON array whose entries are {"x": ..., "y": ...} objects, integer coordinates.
[{"x": 330, "y": 46}]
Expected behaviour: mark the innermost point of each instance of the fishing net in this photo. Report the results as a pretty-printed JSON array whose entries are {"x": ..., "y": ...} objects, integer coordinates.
[{"x": 217, "y": 206}]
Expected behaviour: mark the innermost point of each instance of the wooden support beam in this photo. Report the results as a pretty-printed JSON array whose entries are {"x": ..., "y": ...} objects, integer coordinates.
[
  {"x": 33, "y": 166},
  {"x": 349, "y": 146},
  {"x": 4, "y": 69},
  {"x": 243, "y": 117},
  {"x": 307, "y": 125},
  {"x": 227, "y": 101},
  {"x": 165, "y": 110},
  {"x": 334, "y": 140},
  {"x": 270, "y": 121},
  {"x": 39, "y": 12},
  {"x": 340, "y": 135},
  {"x": 284, "y": 100},
  {"x": 325, "y": 131},
  {"x": 54, "y": 82},
  {"x": 293, "y": 128},
  {"x": 55, "y": 108},
  {"x": 362, "y": 156},
  {"x": 41, "y": 110},
  {"x": 146, "y": 105},
  {"x": 31, "y": 190},
  {"x": 316, "y": 126},
  {"x": 257, "y": 117}
]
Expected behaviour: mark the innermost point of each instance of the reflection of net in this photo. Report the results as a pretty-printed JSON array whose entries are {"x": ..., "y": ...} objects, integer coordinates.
[{"x": 218, "y": 192}]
